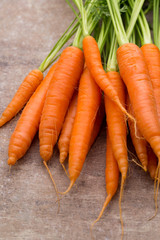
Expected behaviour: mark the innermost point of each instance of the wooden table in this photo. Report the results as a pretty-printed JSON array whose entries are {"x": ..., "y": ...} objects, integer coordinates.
[{"x": 28, "y": 208}]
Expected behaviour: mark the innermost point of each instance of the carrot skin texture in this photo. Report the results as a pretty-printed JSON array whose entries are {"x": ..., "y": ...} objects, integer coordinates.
[
  {"x": 135, "y": 74},
  {"x": 64, "y": 139},
  {"x": 152, "y": 162},
  {"x": 112, "y": 177},
  {"x": 89, "y": 99},
  {"x": 65, "y": 79},
  {"x": 117, "y": 124},
  {"x": 24, "y": 92},
  {"x": 152, "y": 57},
  {"x": 28, "y": 122},
  {"x": 98, "y": 123},
  {"x": 138, "y": 141},
  {"x": 112, "y": 170}
]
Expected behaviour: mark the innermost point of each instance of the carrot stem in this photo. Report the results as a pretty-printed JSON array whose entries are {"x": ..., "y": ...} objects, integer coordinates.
[
  {"x": 60, "y": 43},
  {"x": 143, "y": 26},
  {"x": 112, "y": 58},
  {"x": 137, "y": 6},
  {"x": 156, "y": 22}
]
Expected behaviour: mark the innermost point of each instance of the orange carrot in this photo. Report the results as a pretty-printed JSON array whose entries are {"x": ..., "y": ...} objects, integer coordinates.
[
  {"x": 138, "y": 141},
  {"x": 98, "y": 123},
  {"x": 94, "y": 64},
  {"x": 112, "y": 177},
  {"x": 117, "y": 130},
  {"x": 152, "y": 162},
  {"x": 135, "y": 74},
  {"x": 24, "y": 92},
  {"x": 64, "y": 81},
  {"x": 152, "y": 57},
  {"x": 28, "y": 123},
  {"x": 64, "y": 139},
  {"x": 89, "y": 99},
  {"x": 65, "y": 136}
]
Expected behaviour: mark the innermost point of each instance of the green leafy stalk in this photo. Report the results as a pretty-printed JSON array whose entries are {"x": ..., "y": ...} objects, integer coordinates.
[
  {"x": 79, "y": 4},
  {"x": 142, "y": 27},
  {"x": 112, "y": 65},
  {"x": 156, "y": 22},
  {"x": 122, "y": 37},
  {"x": 92, "y": 21},
  {"x": 117, "y": 22},
  {"x": 60, "y": 43},
  {"x": 137, "y": 6},
  {"x": 103, "y": 34}
]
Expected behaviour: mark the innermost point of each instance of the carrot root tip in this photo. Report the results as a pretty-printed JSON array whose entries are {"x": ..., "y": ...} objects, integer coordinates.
[
  {"x": 54, "y": 184},
  {"x": 65, "y": 170},
  {"x": 69, "y": 188},
  {"x": 11, "y": 160}
]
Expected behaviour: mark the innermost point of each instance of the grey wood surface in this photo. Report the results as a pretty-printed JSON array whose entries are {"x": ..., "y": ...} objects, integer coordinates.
[{"x": 28, "y": 208}]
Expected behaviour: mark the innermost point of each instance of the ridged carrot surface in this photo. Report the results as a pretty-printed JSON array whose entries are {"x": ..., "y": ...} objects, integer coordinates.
[
  {"x": 152, "y": 57},
  {"x": 116, "y": 123},
  {"x": 65, "y": 136},
  {"x": 89, "y": 99},
  {"x": 62, "y": 86},
  {"x": 28, "y": 123},
  {"x": 138, "y": 140},
  {"x": 24, "y": 92},
  {"x": 135, "y": 74}
]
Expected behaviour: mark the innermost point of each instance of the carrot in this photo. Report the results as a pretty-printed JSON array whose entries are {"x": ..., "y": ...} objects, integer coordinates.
[
  {"x": 135, "y": 74},
  {"x": 28, "y": 122},
  {"x": 89, "y": 99},
  {"x": 61, "y": 88},
  {"x": 64, "y": 139},
  {"x": 24, "y": 92},
  {"x": 93, "y": 60},
  {"x": 152, "y": 163},
  {"x": 138, "y": 141},
  {"x": 112, "y": 178},
  {"x": 152, "y": 57},
  {"x": 130, "y": 58},
  {"x": 94, "y": 64},
  {"x": 98, "y": 123},
  {"x": 117, "y": 130}
]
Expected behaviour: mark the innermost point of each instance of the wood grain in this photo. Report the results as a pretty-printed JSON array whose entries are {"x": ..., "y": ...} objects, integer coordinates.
[{"x": 27, "y": 199}]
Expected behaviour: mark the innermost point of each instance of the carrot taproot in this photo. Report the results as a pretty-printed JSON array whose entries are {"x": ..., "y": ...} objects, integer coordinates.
[
  {"x": 152, "y": 162},
  {"x": 117, "y": 130},
  {"x": 64, "y": 139},
  {"x": 28, "y": 122},
  {"x": 98, "y": 123},
  {"x": 152, "y": 57},
  {"x": 138, "y": 140},
  {"x": 89, "y": 99},
  {"x": 135, "y": 74},
  {"x": 24, "y": 92},
  {"x": 94, "y": 64},
  {"x": 112, "y": 178},
  {"x": 61, "y": 88}
]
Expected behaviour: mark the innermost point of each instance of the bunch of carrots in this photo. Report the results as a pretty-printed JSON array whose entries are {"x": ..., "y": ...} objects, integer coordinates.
[{"x": 112, "y": 69}]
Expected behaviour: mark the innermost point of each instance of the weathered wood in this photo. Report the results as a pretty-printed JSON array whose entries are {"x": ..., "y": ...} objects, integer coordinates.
[{"x": 27, "y": 198}]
